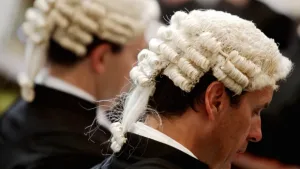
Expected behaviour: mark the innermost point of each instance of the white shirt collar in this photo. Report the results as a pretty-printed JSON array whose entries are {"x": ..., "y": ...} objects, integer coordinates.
[
  {"x": 45, "y": 79},
  {"x": 149, "y": 132}
]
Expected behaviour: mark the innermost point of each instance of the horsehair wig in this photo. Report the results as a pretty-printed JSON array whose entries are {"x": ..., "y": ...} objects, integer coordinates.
[
  {"x": 74, "y": 23},
  {"x": 238, "y": 54}
]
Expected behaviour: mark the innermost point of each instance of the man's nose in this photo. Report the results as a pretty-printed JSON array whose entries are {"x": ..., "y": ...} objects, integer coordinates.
[{"x": 255, "y": 134}]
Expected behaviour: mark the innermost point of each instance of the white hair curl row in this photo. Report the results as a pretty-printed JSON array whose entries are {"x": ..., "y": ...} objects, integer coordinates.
[
  {"x": 238, "y": 54},
  {"x": 74, "y": 22},
  {"x": 185, "y": 68}
]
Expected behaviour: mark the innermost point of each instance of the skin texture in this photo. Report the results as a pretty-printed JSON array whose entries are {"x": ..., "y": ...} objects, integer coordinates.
[
  {"x": 217, "y": 131},
  {"x": 114, "y": 68},
  {"x": 104, "y": 73}
]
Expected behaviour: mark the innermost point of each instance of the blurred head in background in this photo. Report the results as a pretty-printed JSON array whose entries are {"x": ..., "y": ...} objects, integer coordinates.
[
  {"x": 90, "y": 44},
  {"x": 286, "y": 7},
  {"x": 290, "y": 8},
  {"x": 274, "y": 24}
]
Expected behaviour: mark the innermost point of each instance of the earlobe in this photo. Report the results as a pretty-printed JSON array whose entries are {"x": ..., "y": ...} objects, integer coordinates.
[
  {"x": 98, "y": 57},
  {"x": 214, "y": 99}
]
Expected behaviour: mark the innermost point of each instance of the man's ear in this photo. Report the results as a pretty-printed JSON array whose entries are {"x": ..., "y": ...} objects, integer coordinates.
[
  {"x": 215, "y": 99},
  {"x": 98, "y": 57}
]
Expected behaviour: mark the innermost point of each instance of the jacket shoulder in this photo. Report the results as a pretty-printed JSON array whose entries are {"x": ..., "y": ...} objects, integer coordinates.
[{"x": 152, "y": 163}]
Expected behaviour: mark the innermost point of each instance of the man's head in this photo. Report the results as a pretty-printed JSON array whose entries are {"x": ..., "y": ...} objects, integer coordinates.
[
  {"x": 105, "y": 68},
  {"x": 208, "y": 76},
  {"x": 91, "y": 44}
]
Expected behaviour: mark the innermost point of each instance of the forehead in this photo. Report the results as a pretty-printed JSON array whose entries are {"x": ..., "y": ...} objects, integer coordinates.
[{"x": 260, "y": 97}]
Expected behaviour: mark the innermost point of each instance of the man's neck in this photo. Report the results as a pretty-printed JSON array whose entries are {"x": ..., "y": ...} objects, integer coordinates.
[
  {"x": 76, "y": 78},
  {"x": 182, "y": 133}
]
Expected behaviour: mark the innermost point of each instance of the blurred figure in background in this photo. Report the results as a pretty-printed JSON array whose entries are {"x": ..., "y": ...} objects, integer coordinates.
[
  {"x": 275, "y": 25},
  {"x": 87, "y": 48}
]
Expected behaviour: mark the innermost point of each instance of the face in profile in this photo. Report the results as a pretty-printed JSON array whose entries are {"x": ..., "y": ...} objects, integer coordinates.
[{"x": 240, "y": 123}]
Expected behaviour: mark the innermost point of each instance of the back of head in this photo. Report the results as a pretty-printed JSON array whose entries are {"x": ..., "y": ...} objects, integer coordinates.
[
  {"x": 66, "y": 31},
  {"x": 196, "y": 49}
]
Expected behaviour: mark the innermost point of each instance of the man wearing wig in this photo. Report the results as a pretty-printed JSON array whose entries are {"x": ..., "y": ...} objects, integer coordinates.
[
  {"x": 199, "y": 90},
  {"x": 88, "y": 48}
]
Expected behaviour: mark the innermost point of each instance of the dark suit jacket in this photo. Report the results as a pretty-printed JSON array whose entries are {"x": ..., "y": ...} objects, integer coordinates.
[
  {"x": 51, "y": 132},
  {"x": 143, "y": 153}
]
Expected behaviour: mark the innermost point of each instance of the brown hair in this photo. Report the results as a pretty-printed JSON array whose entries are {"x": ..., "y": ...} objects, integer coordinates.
[
  {"x": 59, "y": 55},
  {"x": 170, "y": 100}
]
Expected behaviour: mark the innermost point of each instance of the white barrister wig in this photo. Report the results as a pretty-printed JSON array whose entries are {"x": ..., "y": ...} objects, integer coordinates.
[
  {"x": 73, "y": 23},
  {"x": 233, "y": 49}
]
